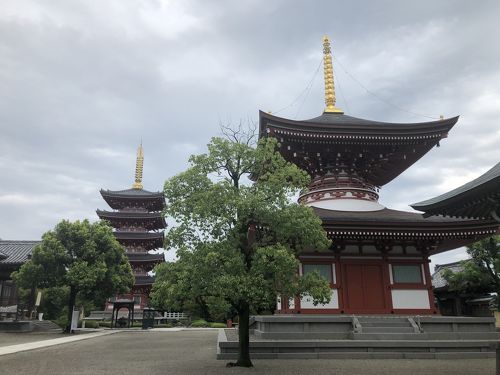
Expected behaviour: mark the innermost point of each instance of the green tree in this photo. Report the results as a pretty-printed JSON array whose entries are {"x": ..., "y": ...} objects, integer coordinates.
[
  {"x": 481, "y": 273},
  {"x": 237, "y": 232},
  {"x": 84, "y": 257}
]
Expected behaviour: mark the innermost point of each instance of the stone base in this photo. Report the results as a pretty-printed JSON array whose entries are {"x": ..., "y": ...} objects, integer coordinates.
[
  {"x": 16, "y": 326},
  {"x": 300, "y": 336}
]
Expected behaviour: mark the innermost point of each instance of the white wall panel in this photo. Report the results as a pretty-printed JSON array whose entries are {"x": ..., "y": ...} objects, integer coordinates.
[{"x": 410, "y": 299}]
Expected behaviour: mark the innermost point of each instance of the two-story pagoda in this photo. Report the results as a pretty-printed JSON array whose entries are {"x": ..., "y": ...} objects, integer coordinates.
[
  {"x": 379, "y": 259},
  {"x": 138, "y": 222}
]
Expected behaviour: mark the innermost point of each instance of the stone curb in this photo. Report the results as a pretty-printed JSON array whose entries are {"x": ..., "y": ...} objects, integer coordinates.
[{"x": 11, "y": 349}]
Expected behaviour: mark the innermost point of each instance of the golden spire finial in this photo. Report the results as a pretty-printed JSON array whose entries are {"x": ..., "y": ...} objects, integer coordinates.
[
  {"x": 138, "y": 168},
  {"x": 329, "y": 86}
]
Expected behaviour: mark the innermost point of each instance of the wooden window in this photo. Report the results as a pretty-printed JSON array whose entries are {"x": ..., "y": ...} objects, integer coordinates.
[
  {"x": 407, "y": 274},
  {"x": 324, "y": 270}
]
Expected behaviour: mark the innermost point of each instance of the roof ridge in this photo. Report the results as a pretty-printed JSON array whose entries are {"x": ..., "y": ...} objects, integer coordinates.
[{"x": 19, "y": 241}]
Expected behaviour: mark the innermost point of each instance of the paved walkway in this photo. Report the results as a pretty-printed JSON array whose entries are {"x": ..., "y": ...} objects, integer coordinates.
[
  {"x": 8, "y": 338},
  {"x": 193, "y": 352},
  {"x": 48, "y": 341}
]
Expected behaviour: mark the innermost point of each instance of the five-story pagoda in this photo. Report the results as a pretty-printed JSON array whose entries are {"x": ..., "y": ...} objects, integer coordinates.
[
  {"x": 379, "y": 259},
  {"x": 138, "y": 222}
]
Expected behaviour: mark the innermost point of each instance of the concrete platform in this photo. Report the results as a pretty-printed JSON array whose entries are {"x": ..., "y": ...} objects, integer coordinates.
[
  {"x": 316, "y": 336},
  {"x": 16, "y": 326}
]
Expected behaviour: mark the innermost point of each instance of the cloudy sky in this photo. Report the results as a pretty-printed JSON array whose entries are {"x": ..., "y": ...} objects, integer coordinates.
[{"x": 83, "y": 81}]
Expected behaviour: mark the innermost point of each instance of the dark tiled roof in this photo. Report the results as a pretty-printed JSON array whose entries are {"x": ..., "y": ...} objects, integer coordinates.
[
  {"x": 16, "y": 252},
  {"x": 377, "y": 151},
  {"x": 144, "y": 280},
  {"x": 119, "y": 199},
  {"x": 148, "y": 220},
  {"x": 448, "y": 233},
  {"x": 129, "y": 214},
  {"x": 145, "y": 257},
  {"x": 343, "y": 123},
  {"x": 131, "y": 235},
  {"x": 474, "y": 199},
  {"x": 134, "y": 193},
  {"x": 385, "y": 215}
]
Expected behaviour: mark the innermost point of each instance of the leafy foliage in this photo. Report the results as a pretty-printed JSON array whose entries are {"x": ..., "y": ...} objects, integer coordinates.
[
  {"x": 480, "y": 273},
  {"x": 82, "y": 257},
  {"x": 238, "y": 234}
]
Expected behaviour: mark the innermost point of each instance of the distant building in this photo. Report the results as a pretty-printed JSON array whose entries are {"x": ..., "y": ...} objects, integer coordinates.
[
  {"x": 13, "y": 254},
  {"x": 138, "y": 222},
  {"x": 455, "y": 304}
]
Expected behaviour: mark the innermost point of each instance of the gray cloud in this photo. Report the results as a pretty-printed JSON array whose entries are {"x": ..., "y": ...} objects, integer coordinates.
[{"x": 82, "y": 82}]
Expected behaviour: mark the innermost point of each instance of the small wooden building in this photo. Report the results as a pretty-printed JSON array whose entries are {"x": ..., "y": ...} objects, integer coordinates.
[{"x": 13, "y": 254}]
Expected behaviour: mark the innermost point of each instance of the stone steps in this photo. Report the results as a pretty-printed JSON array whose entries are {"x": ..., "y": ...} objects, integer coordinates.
[
  {"x": 45, "y": 326},
  {"x": 436, "y": 336},
  {"x": 380, "y": 329}
]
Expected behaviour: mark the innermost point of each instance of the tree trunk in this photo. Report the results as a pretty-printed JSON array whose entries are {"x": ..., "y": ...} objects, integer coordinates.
[
  {"x": 498, "y": 298},
  {"x": 71, "y": 303},
  {"x": 205, "y": 314},
  {"x": 244, "y": 337}
]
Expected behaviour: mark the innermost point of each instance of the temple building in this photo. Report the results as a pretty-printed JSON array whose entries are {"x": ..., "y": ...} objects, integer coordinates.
[
  {"x": 138, "y": 224},
  {"x": 378, "y": 262},
  {"x": 13, "y": 254}
]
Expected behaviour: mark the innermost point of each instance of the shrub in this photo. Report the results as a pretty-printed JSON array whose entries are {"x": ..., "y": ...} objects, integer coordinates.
[
  {"x": 91, "y": 324},
  {"x": 105, "y": 324},
  {"x": 167, "y": 325},
  {"x": 199, "y": 323},
  {"x": 62, "y": 321},
  {"x": 184, "y": 322},
  {"x": 217, "y": 325}
]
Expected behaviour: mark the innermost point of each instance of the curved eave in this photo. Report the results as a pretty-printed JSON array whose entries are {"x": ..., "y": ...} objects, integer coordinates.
[
  {"x": 476, "y": 199},
  {"x": 145, "y": 258},
  {"x": 357, "y": 127},
  {"x": 154, "y": 220},
  {"x": 149, "y": 240},
  {"x": 122, "y": 198},
  {"x": 445, "y": 233},
  {"x": 385, "y": 149},
  {"x": 143, "y": 280},
  {"x": 130, "y": 235}
]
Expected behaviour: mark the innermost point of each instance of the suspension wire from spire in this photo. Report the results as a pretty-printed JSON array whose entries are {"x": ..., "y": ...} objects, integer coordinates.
[
  {"x": 308, "y": 91},
  {"x": 303, "y": 92},
  {"x": 342, "y": 94},
  {"x": 380, "y": 98}
]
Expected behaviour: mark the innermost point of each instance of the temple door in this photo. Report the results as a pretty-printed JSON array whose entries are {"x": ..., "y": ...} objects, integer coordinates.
[{"x": 364, "y": 288}]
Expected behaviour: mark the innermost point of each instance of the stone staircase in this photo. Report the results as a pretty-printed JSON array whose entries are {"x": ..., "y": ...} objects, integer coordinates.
[
  {"x": 46, "y": 326},
  {"x": 386, "y": 328}
]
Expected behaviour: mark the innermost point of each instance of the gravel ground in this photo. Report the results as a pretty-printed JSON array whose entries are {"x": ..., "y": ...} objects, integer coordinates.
[
  {"x": 193, "y": 352},
  {"x": 22, "y": 338}
]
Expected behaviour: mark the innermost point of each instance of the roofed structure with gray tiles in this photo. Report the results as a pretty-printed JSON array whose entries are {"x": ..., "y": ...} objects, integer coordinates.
[
  {"x": 16, "y": 252},
  {"x": 479, "y": 198}
]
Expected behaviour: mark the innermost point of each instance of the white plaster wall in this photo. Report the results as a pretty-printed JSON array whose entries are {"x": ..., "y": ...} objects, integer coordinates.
[
  {"x": 410, "y": 299},
  {"x": 346, "y": 204},
  {"x": 307, "y": 302}
]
